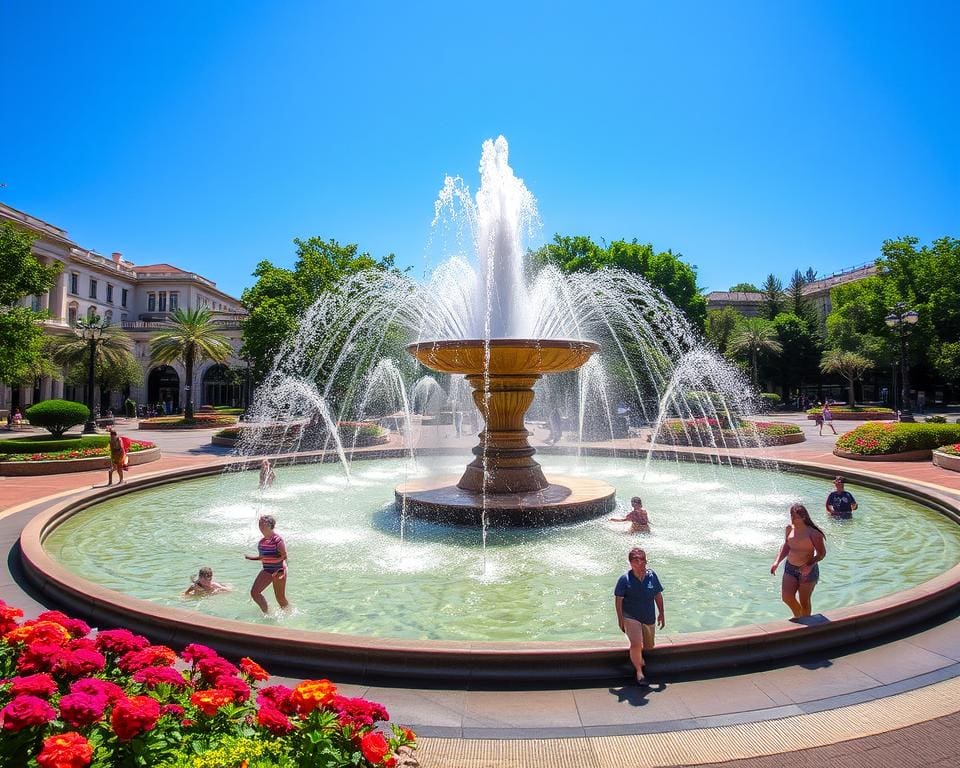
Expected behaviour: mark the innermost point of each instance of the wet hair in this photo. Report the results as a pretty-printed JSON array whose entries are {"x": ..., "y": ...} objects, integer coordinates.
[
  {"x": 269, "y": 520},
  {"x": 636, "y": 500},
  {"x": 635, "y": 552},
  {"x": 205, "y": 571},
  {"x": 839, "y": 479},
  {"x": 801, "y": 511}
]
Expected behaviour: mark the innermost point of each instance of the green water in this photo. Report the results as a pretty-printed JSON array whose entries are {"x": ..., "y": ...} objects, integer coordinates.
[{"x": 715, "y": 532}]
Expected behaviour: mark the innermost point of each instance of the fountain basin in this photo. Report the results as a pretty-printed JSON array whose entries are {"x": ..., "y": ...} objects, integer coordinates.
[{"x": 506, "y": 356}]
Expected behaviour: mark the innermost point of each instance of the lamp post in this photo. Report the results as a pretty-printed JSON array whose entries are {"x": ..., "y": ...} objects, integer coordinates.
[
  {"x": 91, "y": 331},
  {"x": 902, "y": 321}
]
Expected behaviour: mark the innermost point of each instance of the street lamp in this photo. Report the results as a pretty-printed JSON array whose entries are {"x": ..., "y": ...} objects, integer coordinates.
[
  {"x": 91, "y": 331},
  {"x": 902, "y": 321}
]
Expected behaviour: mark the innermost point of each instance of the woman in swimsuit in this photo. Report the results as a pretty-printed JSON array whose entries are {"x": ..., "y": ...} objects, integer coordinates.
[
  {"x": 804, "y": 546},
  {"x": 117, "y": 457},
  {"x": 273, "y": 556}
]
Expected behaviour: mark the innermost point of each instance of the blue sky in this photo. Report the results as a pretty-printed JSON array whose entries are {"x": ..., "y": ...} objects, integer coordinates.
[{"x": 747, "y": 136}]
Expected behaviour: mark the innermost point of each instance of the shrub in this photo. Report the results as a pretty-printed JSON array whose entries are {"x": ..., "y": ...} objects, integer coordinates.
[
  {"x": 199, "y": 421},
  {"x": 848, "y": 409},
  {"x": 57, "y": 416},
  {"x": 130, "y": 408},
  {"x": 770, "y": 399},
  {"x": 936, "y": 419},
  {"x": 34, "y": 444},
  {"x": 891, "y": 438},
  {"x": 69, "y": 699}
]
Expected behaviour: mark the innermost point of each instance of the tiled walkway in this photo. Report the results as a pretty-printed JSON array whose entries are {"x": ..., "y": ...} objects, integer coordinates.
[{"x": 892, "y": 704}]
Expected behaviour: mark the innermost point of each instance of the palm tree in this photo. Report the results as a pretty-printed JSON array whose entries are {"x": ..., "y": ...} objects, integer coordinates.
[
  {"x": 190, "y": 336},
  {"x": 850, "y": 365},
  {"x": 756, "y": 335},
  {"x": 113, "y": 361}
]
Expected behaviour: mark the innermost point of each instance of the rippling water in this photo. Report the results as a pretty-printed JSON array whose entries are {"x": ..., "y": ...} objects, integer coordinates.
[{"x": 715, "y": 532}]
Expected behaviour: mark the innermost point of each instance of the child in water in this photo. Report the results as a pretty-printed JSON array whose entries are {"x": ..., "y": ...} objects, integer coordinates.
[
  {"x": 204, "y": 584},
  {"x": 637, "y": 517}
]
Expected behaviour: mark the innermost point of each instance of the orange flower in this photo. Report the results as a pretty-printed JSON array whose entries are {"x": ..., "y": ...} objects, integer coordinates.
[
  {"x": 374, "y": 747},
  {"x": 211, "y": 700},
  {"x": 65, "y": 750},
  {"x": 253, "y": 670},
  {"x": 311, "y": 694},
  {"x": 38, "y": 632},
  {"x": 408, "y": 735}
]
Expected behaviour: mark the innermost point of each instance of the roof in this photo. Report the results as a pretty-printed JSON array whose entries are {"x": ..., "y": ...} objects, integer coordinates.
[
  {"x": 734, "y": 296},
  {"x": 159, "y": 269}
]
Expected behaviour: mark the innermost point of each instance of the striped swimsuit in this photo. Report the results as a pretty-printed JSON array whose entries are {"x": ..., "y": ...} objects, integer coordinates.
[{"x": 269, "y": 550}]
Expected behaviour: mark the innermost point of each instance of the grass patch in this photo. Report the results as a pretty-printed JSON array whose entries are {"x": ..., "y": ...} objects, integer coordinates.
[{"x": 34, "y": 444}]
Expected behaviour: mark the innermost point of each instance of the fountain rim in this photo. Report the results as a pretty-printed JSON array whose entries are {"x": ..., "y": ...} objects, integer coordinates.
[
  {"x": 504, "y": 341},
  {"x": 376, "y": 658}
]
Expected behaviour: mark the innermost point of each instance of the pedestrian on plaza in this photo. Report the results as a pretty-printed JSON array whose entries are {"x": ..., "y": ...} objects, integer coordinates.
[
  {"x": 555, "y": 422},
  {"x": 826, "y": 417},
  {"x": 272, "y": 554},
  {"x": 804, "y": 546},
  {"x": 638, "y": 597},
  {"x": 17, "y": 418},
  {"x": 840, "y": 503},
  {"x": 118, "y": 457},
  {"x": 637, "y": 517}
]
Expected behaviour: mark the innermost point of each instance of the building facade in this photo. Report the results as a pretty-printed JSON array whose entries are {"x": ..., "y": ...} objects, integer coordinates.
[{"x": 138, "y": 299}]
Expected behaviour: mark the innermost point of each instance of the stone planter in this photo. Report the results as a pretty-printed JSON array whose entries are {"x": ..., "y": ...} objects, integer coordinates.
[
  {"x": 922, "y": 455},
  {"x": 31, "y": 468},
  {"x": 946, "y": 461},
  {"x": 858, "y": 416},
  {"x": 174, "y": 427},
  {"x": 362, "y": 442}
]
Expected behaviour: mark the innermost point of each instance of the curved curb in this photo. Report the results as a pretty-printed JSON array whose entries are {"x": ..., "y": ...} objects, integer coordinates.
[
  {"x": 920, "y": 455},
  {"x": 384, "y": 659},
  {"x": 61, "y": 467}
]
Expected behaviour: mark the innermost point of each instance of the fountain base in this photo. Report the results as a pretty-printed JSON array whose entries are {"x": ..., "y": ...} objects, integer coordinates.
[{"x": 564, "y": 500}]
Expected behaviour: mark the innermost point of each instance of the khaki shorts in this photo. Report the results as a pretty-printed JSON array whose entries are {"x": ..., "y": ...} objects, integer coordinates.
[{"x": 639, "y": 633}]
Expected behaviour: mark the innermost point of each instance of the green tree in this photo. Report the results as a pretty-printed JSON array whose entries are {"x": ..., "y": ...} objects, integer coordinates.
[
  {"x": 115, "y": 366},
  {"x": 721, "y": 325},
  {"x": 21, "y": 337},
  {"x": 850, "y": 365},
  {"x": 664, "y": 270},
  {"x": 744, "y": 288},
  {"x": 797, "y": 303},
  {"x": 190, "y": 336},
  {"x": 800, "y": 352},
  {"x": 772, "y": 303},
  {"x": 755, "y": 337}
]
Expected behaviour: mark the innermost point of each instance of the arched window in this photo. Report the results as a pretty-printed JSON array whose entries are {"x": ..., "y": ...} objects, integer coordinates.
[
  {"x": 221, "y": 386},
  {"x": 91, "y": 313},
  {"x": 73, "y": 311}
]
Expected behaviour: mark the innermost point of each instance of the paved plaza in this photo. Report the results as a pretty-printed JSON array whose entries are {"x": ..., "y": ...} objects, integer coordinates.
[{"x": 894, "y": 703}]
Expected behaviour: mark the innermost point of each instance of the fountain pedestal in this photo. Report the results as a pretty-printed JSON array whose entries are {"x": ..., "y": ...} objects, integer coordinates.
[{"x": 504, "y": 484}]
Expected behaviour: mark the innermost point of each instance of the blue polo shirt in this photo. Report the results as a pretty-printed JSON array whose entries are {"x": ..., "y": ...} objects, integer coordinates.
[{"x": 639, "y": 596}]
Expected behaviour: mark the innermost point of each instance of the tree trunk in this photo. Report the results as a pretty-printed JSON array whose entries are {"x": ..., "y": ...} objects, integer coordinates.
[
  {"x": 853, "y": 399},
  {"x": 188, "y": 410}
]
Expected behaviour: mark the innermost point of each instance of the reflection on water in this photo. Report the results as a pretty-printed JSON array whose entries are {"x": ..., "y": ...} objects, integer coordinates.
[{"x": 714, "y": 535}]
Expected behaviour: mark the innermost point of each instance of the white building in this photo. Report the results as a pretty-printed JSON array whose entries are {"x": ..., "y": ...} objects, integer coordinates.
[{"x": 138, "y": 299}]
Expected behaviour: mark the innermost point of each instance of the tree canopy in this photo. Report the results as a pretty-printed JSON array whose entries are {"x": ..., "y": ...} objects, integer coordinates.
[{"x": 744, "y": 288}]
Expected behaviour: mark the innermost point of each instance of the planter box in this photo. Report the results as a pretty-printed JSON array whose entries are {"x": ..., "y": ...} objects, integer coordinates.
[
  {"x": 31, "y": 468},
  {"x": 858, "y": 416},
  {"x": 362, "y": 442},
  {"x": 922, "y": 455},
  {"x": 946, "y": 461}
]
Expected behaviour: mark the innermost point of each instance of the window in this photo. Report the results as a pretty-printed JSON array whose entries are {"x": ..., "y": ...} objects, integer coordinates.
[
  {"x": 93, "y": 288},
  {"x": 109, "y": 293},
  {"x": 35, "y": 303},
  {"x": 74, "y": 283},
  {"x": 162, "y": 307},
  {"x": 123, "y": 297},
  {"x": 72, "y": 314},
  {"x": 108, "y": 317},
  {"x": 123, "y": 317},
  {"x": 91, "y": 313},
  {"x": 174, "y": 300},
  {"x": 151, "y": 302}
]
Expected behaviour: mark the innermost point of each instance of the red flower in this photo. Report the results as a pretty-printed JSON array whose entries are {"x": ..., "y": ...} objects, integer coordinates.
[
  {"x": 172, "y": 709},
  {"x": 94, "y": 686},
  {"x": 408, "y": 735},
  {"x": 65, "y": 750},
  {"x": 26, "y": 711},
  {"x": 154, "y": 676},
  {"x": 38, "y": 632},
  {"x": 75, "y": 627},
  {"x": 211, "y": 668},
  {"x": 151, "y": 656},
  {"x": 358, "y": 712},
  {"x": 41, "y": 685},
  {"x": 211, "y": 700},
  {"x": 82, "y": 709},
  {"x": 39, "y": 657},
  {"x": 86, "y": 643},
  {"x": 120, "y": 641},
  {"x": 195, "y": 651},
  {"x": 8, "y": 617},
  {"x": 274, "y": 720},
  {"x": 236, "y": 686},
  {"x": 133, "y": 716},
  {"x": 253, "y": 670},
  {"x": 374, "y": 746},
  {"x": 278, "y": 696},
  {"x": 80, "y": 662}
]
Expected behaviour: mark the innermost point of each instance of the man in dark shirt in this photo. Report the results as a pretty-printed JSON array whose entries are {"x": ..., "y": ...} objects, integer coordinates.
[
  {"x": 638, "y": 598},
  {"x": 840, "y": 503}
]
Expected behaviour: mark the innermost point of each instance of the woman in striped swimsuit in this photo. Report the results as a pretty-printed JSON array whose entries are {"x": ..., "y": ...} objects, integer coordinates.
[{"x": 273, "y": 557}]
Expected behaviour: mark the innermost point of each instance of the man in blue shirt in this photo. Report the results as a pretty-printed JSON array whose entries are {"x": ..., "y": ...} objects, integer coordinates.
[
  {"x": 638, "y": 598},
  {"x": 840, "y": 503}
]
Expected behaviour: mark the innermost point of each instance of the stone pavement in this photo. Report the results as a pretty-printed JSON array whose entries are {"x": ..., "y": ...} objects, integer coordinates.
[{"x": 897, "y": 703}]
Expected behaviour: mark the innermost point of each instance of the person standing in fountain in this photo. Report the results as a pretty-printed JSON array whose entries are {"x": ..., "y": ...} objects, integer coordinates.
[
  {"x": 273, "y": 557},
  {"x": 637, "y": 517},
  {"x": 638, "y": 598},
  {"x": 267, "y": 475},
  {"x": 804, "y": 546},
  {"x": 840, "y": 503}
]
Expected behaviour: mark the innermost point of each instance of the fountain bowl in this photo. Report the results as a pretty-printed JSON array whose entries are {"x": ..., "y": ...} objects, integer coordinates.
[{"x": 506, "y": 356}]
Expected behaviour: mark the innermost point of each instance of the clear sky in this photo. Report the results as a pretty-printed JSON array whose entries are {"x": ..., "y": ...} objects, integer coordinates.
[{"x": 747, "y": 136}]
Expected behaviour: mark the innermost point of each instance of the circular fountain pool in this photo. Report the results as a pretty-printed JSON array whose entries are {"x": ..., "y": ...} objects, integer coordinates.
[{"x": 356, "y": 568}]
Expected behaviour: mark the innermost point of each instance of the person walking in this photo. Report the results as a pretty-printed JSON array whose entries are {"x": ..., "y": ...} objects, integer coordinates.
[
  {"x": 826, "y": 417},
  {"x": 638, "y": 599},
  {"x": 804, "y": 546},
  {"x": 272, "y": 554},
  {"x": 118, "y": 457}
]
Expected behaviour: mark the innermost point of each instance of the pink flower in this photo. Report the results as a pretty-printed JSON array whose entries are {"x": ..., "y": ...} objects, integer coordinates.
[
  {"x": 80, "y": 662},
  {"x": 82, "y": 709},
  {"x": 41, "y": 685},
  {"x": 212, "y": 668},
  {"x": 26, "y": 711},
  {"x": 75, "y": 627},
  {"x": 358, "y": 712},
  {"x": 133, "y": 716},
  {"x": 94, "y": 686},
  {"x": 154, "y": 676},
  {"x": 274, "y": 720},
  {"x": 236, "y": 686},
  {"x": 120, "y": 641},
  {"x": 195, "y": 651},
  {"x": 277, "y": 696}
]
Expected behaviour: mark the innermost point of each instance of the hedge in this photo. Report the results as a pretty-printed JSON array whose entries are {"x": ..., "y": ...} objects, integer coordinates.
[
  {"x": 891, "y": 438},
  {"x": 57, "y": 416},
  {"x": 848, "y": 409},
  {"x": 40, "y": 445}
]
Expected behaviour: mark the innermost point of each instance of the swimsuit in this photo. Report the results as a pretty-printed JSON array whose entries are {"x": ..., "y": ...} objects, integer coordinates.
[
  {"x": 269, "y": 550},
  {"x": 789, "y": 569}
]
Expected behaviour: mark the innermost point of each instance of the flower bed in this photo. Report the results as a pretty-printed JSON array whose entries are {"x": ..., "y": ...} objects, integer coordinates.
[
  {"x": 948, "y": 457},
  {"x": 50, "y": 444},
  {"x": 77, "y": 453},
  {"x": 708, "y": 433},
  {"x": 71, "y": 699},
  {"x": 278, "y": 437},
  {"x": 45, "y": 464},
  {"x": 906, "y": 441},
  {"x": 846, "y": 413},
  {"x": 199, "y": 421}
]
